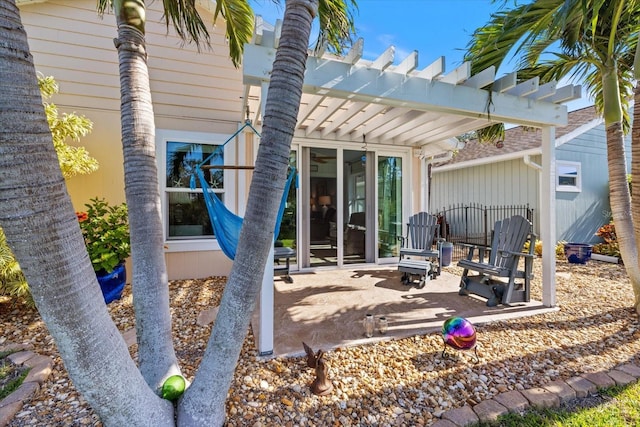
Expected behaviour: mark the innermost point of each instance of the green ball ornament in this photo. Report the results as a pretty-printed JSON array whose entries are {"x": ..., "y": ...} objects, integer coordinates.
[{"x": 173, "y": 387}]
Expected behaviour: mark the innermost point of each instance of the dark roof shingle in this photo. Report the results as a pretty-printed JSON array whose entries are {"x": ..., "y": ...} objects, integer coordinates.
[{"x": 520, "y": 138}]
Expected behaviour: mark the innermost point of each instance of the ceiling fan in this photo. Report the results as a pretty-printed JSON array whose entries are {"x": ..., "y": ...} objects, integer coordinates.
[{"x": 321, "y": 159}]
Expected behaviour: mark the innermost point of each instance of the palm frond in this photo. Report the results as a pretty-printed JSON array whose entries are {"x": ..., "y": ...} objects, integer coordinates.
[
  {"x": 336, "y": 24},
  {"x": 240, "y": 21},
  {"x": 102, "y": 6},
  {"x": 508, "y": 32},
  {"x": 186, "y": 20}
]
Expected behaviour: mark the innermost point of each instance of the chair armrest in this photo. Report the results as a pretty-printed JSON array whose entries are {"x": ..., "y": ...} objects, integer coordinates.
[
  {"x": 482, "y": 250},
  {"x": 471, "y": 251},
  {"x": 474, "y": 246},
  {"x": 509, "y": 253}
]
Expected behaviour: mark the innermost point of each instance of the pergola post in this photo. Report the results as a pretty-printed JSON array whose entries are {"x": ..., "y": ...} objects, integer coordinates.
[{"x": 548, "y": 215}]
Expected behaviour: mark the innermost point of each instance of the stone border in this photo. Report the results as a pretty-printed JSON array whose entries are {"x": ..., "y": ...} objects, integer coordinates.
[
  {"x": 40, "y": 371},
  {"x": 550, "y": 395}
]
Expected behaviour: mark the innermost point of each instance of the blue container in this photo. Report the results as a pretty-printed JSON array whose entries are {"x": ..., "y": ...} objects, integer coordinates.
[
  {"x": 578, "y": 253},
  {"x": 446, "y": 253},
  {"x": 112, "y": 284}
]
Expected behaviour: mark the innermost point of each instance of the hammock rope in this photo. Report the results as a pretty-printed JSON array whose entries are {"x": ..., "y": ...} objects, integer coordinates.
[{"x": 227, "y": 224}]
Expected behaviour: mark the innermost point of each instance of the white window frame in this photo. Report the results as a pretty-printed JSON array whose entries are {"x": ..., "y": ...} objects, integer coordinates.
[
  {"x": 162, "y": 137},
  {"x": 569, "y": 188}
]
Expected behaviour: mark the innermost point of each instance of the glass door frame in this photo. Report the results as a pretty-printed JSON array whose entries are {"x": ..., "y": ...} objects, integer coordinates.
[
  {"x": 303, "y": 148},
  {"x": 406, "y": 205}
]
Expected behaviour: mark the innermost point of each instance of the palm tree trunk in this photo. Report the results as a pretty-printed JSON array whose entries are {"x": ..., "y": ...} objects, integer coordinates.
[
  {"x": 619, "y": 194},
  {"x": 621, "y": 207},
  {"x": 635, "y": 173},
  {"x": 38, "y": 218},
  {"x": 156, "y": 354},
  {"x": 203, "y": 404}
]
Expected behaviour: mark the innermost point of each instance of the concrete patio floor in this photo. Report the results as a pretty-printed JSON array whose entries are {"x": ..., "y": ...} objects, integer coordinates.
[{"x": 325, "y": 308}]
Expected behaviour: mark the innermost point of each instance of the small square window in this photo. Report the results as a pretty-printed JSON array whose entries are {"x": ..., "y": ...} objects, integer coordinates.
[{"x": 569, "y": 177}]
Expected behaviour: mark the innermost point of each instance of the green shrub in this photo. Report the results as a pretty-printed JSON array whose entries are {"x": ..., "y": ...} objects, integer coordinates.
[
  {"x": 12, "y": 281},
  {"x": 73, "y": 161},
  {"x": 538, "y": 249},
  {"x": 105, "y": 229},
  {"x": 610, "y": 246}
]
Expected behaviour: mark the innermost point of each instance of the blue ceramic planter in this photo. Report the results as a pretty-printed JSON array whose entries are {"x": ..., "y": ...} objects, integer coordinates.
[
  {"x": 577, "y": 253},
  {"x": 112, "y": 284}
]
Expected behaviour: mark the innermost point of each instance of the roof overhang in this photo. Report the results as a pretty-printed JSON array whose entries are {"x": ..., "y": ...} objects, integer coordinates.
[
  {"x": 346, "y": 98},
  {"x": 519, "y": 154}
]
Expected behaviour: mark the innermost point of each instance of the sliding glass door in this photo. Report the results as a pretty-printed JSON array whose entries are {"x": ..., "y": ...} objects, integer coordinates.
[
  {"x": 354, "y": 224},
  {"x": 389, "y": 205},
  {"x": 351, "y": 206},
  {"x": 323, "y": 202},
  {"x": 289, "y": 224}
]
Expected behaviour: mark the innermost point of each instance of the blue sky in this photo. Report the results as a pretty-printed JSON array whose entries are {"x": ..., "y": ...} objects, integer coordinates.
[{"x": 432, "y": 27}]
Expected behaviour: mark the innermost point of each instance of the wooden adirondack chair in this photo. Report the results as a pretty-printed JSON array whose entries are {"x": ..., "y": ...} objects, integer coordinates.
[
  {"x": 417, "y": 255},
  {"x": 495, "y": 278}
]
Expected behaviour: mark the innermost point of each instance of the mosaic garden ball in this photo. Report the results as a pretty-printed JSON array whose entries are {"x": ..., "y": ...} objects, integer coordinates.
[{"x": 459, "y": 333}]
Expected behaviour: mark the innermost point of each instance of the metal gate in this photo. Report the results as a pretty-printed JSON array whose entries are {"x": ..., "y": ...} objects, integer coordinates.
[{"x": 473, "y": 223}]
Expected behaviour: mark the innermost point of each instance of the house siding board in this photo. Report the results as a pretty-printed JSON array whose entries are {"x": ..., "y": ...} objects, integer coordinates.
[
  {"x": 503, "y": 183},
  {"x": 191, "y": 91},
  {"x": 581, "y": 214},
  {"x": 578, "y": 214},
  {"x": 205, "y": 81}
]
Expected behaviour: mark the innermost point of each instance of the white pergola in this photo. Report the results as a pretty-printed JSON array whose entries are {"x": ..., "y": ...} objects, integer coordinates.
[{"x": 345, "y": 98}]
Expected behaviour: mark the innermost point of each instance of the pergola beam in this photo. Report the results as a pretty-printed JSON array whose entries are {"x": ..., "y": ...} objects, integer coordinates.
[
  {"x": 545, "y": 91},
  {"x": 483, "y": 79},
  {"x": 365, "y": 84},
  {"x": 342, "y": 116},
  {"x": 408, "y": 64},
  {"x": 430, "y": 72},
  {"x": 331, "y": 108},
  {"x": 384, "y": 60},
  {"x": 355, "y": 53},
  {"x": 566, "y": 94},
  {"x": 372, "y": 127},
  {"x": 459, "y": 75}
]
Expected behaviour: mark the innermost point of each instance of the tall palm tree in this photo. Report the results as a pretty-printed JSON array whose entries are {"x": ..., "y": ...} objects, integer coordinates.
[
  {"x": 157, "y": 359},
  {"x": 203, "y": 404},
  {"x": 635, "y": 145},
  {"x": 42, "y": 217},
  {"x": 591, "y": 40},
  {"x": 38, "y": 219},
  {"x": 156, "y": 354}
]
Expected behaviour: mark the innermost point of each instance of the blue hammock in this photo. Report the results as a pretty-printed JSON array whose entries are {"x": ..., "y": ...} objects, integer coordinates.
[{"x": 226, "y": 224}]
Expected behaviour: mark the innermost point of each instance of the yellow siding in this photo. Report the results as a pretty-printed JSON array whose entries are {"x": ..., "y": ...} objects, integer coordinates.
[
  {"x": 191, "y": 91},
  {"x": 197, "y": 265}
]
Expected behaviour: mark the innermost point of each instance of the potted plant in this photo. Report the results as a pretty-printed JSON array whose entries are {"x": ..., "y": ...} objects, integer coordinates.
[
  {"x": 105, "y": 229},
  {"x": 577, "y": 253}
]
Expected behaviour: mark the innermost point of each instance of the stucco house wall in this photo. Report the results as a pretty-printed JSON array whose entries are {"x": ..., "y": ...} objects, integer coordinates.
[{"x": 192, "y": 91}]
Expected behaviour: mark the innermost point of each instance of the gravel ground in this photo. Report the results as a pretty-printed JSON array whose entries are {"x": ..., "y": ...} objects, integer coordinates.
[{"x": 394, "y": 383}]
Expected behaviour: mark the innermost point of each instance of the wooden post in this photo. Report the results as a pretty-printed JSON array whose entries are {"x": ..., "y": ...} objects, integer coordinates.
[{"x": 548, "y": 216}]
